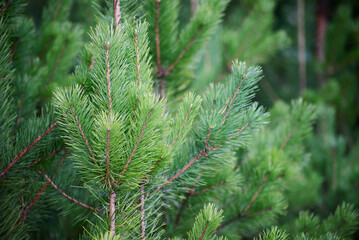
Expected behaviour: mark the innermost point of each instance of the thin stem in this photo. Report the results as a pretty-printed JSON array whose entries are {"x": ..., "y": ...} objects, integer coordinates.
[
  {"x": 209, "y": 188},
  {"x": 239, "y": 131},
  {"x": 204, "y": 230},
  {"x": 184, "y": 51},
  {"x": 183, "y": 205},
  {"x": 286, "y": 140},
  {"x": 19, "y": 156},
  {"x": 117, "y": 14},
  {"x": 203, "y": 152},
  {"x": 67, "y": 196},
  {"x": 83, "y": 135},
  {"x": 255, "y": 195},
  {"x": 233, "y": 98},
  {"x": 41, "y": 158},
  {"x": 136, "y": 145},
  {"x": 113, "y": 213}
]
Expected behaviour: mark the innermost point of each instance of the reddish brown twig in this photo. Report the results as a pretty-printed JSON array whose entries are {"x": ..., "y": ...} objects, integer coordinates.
[
  {"x": 41, "y": 158},
  {"x": 205, "y": 228},
  {"x": 183, "y": 52},
  {"x": 67, "y": 196},
  {"x": 27, "y": 209},
  {"x": 209, "y": 188},
  {"x": 84, "y": 136},
  {"x": 239, "y": 131},
  {"x": 286, "y": 140},
  {"x": 243, "y": 213},
  {"x": 255, "y": 195},
  {"x": 136, "y": 145},
  {"x": 233, "y": 98},
  {"x": 19, "y": 156},
  {"x": 183, "y": 205},
  {"x": 117, "y": 14},
  {"x": 203, "y": 152}
]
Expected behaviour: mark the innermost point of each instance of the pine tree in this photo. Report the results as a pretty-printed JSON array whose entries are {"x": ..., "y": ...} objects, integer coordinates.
[{"x": 121, "y": 150}]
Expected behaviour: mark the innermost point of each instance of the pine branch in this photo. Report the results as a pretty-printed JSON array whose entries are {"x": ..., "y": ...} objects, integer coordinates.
[
  {"x": 176, "y": 137},
  {"x": 58, "y": 60},
  {"x": 67, "y": 196},
  {"x": 19, "y": 156},
  {"x": 203, "y": 152},
  {"x": 255, "y": 195},
  {"x": 243, "y": 213},
  {"x": 183, "y": 205},
  {"x": 288, "y": 137},
  {"x": 58, "y": 6},
  {"x": 204, "y": 230},
  {"x": 41, "y": 158},
  {"x": 27, "y": 209},
  {"x": 83, "y": 135},
  {"x": 183, "y": 52},
  {"x": 233, "y": 98},
  {"x": 209, "y": 188},
  {"x": 239, "y": 130},
  {"x": 117, "y": 14},
  {"x": 136, "y": 145},
  {"x": 39, "y": 194}
]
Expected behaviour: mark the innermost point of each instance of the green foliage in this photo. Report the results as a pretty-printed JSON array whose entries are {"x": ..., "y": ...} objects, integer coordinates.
[{"x": 123, "y": 151}]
